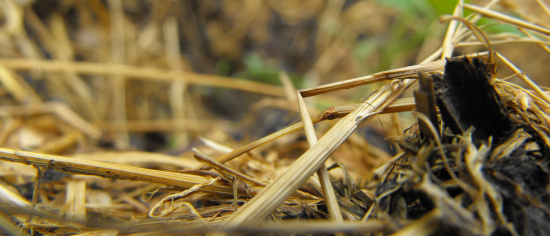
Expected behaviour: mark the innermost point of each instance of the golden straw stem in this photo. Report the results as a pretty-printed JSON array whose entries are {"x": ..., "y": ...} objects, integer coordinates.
[
  {"x": 109, "y": 170},
  {"x": 401, "y": 73},
  {"x": 92, "y": 68},
  {"x": 448, "y": 46},
  {"x": 219, "y": 166},
  {"x": 506, "y": 19},
  {"x": 324, "y": 178}
]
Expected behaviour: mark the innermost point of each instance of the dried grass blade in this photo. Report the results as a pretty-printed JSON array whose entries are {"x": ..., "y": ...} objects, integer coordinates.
[
  {"x": 475, "y": 30},
  {"x": 7, "y": 225},
  {"x": 178, "y": 90},
  {"x": 400, "y": 105},
  {"x": 142, "y": 73},
  {"x": 506, "y": 19},
  {"x": 10, "y": 197},
  {"x": 108, "y": 170},
  {"x": 378, "y": 172},
  {"x": 544, "y": 6},
  {"x": 494, "y": 42},
  {"x": 290, "y": 90},
  {"x": 246, "y": 148},
  {"x": 322, "y": 173},
  {"x": 16, "y": 86},
  {"x": 173, "y": 197},
  {"x": 448, "y": 41},
  {"x": 219, "y": 166},
  {"x": 401, "y": 73},
  {"x": 75, "y": 200}
]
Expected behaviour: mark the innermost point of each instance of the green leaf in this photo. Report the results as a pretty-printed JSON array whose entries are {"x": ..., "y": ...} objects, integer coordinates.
[
  {"x": 443, "y": 6},
  {"x": 411, "y": 7}
]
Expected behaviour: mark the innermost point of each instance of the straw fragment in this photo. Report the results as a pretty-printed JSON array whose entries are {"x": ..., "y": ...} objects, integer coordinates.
[
  {"x": 116, "y": 171},
  {"x": 154, "y": 74}
]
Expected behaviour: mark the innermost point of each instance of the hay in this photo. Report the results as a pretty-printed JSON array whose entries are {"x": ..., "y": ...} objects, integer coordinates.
[{"x": 88, "y": 86}]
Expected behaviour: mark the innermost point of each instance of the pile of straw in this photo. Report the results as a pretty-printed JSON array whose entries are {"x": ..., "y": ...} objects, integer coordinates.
[{"x": 87, "y": 86}]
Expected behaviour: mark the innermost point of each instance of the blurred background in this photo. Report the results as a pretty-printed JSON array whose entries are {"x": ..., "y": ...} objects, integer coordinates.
[{"x": 90, "y": 75}]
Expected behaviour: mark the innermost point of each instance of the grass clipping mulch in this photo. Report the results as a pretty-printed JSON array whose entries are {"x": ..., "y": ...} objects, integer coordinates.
[{"x": 475, "y": 163}]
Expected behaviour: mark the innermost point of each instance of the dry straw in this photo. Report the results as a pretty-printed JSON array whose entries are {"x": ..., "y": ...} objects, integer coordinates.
[{"x": 246, "y": 197}]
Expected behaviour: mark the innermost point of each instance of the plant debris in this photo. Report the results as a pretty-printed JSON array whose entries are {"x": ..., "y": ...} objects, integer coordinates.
[
  {"x": 466, "y": 99},
  {"x": 127, "y": 118},
  {"x": 483, "y": 190}
]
